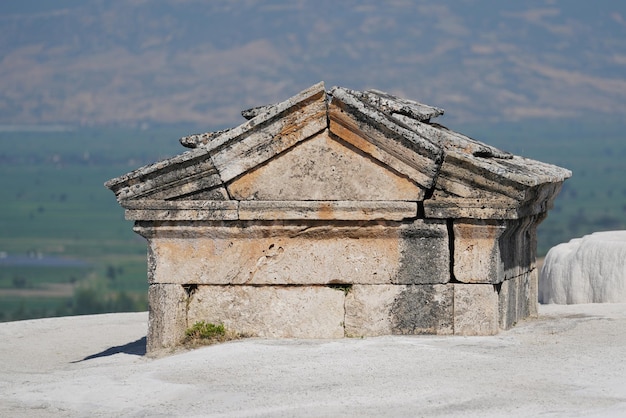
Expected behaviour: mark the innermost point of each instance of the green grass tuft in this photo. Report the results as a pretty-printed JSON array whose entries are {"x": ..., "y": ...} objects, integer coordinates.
[{"x": 206, "y": 333}]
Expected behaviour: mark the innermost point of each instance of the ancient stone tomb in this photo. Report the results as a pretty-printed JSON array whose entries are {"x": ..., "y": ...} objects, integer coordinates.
[{"x": 340, "y": 213}]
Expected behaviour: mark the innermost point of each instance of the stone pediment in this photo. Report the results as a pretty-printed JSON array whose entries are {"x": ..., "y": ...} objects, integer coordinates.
[
  {"x": 344, "y": 155},
  {"x": 338, "y": 213}
]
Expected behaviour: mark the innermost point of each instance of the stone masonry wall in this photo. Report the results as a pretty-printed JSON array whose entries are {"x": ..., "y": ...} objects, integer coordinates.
[
  {"x": 321, "y": 280},
  {"x": 339, "y": 213}
]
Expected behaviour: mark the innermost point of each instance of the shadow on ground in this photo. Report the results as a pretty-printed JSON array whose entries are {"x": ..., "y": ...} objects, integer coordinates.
[{"x": 137, "y": 348}]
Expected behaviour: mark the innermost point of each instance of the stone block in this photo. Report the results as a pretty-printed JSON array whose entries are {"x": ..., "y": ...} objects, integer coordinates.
[
  {"x": 475, "y": 309},
  {"x": 477, "y": 257},
  {"x": 509, "y": 187},
  {"x": 424, "y": 309},
  {"x": 383, "y": 138},
  {"x": 271, "y": 133},
  {"x": 167, "y": 318},
  {"x": 278, "y": 260},
  {"x": 533, "y": 293},
  {"x": 517, "y": 299},
  {"x": 507, "y": 303},
  {"x": 517, "y": 246},
  {"x": 368, "y": 309},
  {"x": 399, "y": 309},
  {"x": 327, "y": 210},
  {"x": 197, "y": 210},
  {"x": 365, "y": 253},
  {"x": 424, "y": 253},
  {"x": 323, "y": 168},
  {"x": 271, "y": 311}
]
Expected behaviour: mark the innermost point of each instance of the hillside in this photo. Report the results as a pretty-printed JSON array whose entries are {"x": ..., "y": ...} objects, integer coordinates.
[{"x": 171, "y": 61}]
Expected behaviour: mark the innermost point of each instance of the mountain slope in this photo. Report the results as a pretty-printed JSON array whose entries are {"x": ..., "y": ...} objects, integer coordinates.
[{"x": 169, "y": 61}]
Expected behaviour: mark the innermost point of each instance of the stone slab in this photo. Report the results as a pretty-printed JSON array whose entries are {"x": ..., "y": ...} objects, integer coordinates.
[
  {"x": 518, "y": 246},
  {"x": 475, "y": 309},
  {"x": 424, "y": 309},
  {"x": 271, "y": 311},
  {"x": 445, "y": 207},
  {"x": 323, "y": 168},
  {"x": 451, "y": 140},
  {"x": 162, "y": 175},
  {"x": 302, "y": 116},
  {"x": 424, "y": 253},
  {"x": 477, "y": 257},
  {"x": 506, "y": 188},
  {"x": 275, "y": 260},
  {"x": 395, "y": 105},
  {"x": 517, "y": 299},
  {"x": 490, "y": 251},
  {"x": 383, "y": 138},
  {"x": 533, "y": 293},
  {"x": 358, "y": 253},
  {"x": 167, "y": 318},
  {"x": 368, "y": 310},
  {"x": 182, "y": 214},
  {"x": 399, "y": 309},
  {"x": 327, "y": 210}
]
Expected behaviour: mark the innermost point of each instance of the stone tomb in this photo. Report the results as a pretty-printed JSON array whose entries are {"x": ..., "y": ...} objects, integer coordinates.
[{"x": 340, "y": 213}]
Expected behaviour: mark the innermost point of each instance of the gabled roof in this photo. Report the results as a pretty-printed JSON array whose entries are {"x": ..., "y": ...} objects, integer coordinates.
[{"x": 414, "y": 167}]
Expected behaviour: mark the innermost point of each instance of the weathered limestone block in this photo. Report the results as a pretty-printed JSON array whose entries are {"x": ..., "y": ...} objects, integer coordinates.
[
  {"x": 509, "y": 296},
  {"x": 182, "y": 210},
  {"x": 399, "y": 309},
  {"x": 517, "y": 299},
  {"x": 460, "y": 309},
  {"x": 167, "y": 319},
  {"x": 491, "y": 251},
  {"x": 269, "y": 133},
  {"x": 425, "y": 253},
  {"x": 533, "y": 293},
  {"x": 471, "y": 186},
  {"x": 518, "y": 246},
  {"x": 253, "y": 210},
  {"x": 477, "y": 257},
  {"x": 383, "y": 138},
  {"x": 286, "y": 254},
  {"x": 451, "y": 140},
  {"x": 475, "y": 309},
  {"x": 368, "y": 309},
  {"x": 397, "y": 106},
  {"x": 323, "y": 168},
  {"x": 271, "y": 311}
]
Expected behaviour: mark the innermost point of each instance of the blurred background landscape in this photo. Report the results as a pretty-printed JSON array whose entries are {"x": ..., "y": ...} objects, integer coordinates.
[{"x": 91, "y": 89}]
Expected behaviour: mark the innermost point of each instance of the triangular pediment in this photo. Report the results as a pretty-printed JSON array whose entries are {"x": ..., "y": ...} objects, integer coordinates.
[
  {"x": 217, "y": 158},
  {"x": 318, "y": 147},
  {"x": 324, "y": 167}
]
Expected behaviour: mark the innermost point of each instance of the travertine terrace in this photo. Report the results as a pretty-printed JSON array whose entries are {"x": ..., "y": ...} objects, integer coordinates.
[{"x": 339, "y": 213}]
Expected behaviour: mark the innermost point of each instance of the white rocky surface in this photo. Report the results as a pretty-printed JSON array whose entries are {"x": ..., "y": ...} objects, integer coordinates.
[
  {"x": 568, "y": 362},
  {"x": 591, "y": 269}
]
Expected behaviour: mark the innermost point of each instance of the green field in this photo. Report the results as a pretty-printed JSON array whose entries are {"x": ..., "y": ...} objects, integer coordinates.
[
  {"x": 79, "y": 255},
  {"x": 54, "y": 205}
]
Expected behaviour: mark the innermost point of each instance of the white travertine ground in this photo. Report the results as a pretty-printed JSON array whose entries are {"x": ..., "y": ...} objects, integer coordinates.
[{"x": 568, "y": 362}]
